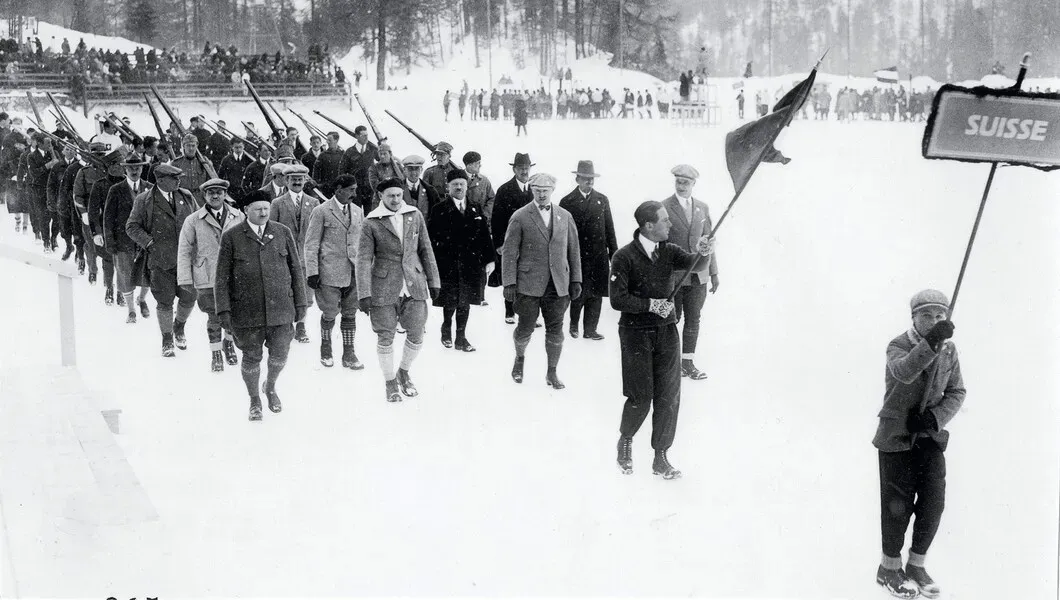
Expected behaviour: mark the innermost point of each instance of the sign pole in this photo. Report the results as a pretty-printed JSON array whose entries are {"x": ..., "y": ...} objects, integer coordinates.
[{"x": 982, "y": 202}]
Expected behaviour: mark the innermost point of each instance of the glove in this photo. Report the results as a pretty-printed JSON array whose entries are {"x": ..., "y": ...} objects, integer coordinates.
[
  {"x": 97, "y": 240},
  {"x": 575, "y": 290},
  {"x": 434, "y": 292},
  {"x": 226, "y": 320},
  {"x": 314, "y": 282},
  {"x": 943, "y": 330},
  {"x": 366, "y": 305},
  {"x": 299, "y": 313},
  {"x": 509, "y": 293},
  {"x": 705, "y": 245},
  {"x": 661, "y": 307},
  {"x": 922, "y": 421}
]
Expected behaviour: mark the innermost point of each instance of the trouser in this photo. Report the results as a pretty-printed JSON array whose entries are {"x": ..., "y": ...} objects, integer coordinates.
[
  {"x": 551, "y": 306},
  {"x": 123, "y": 266},
  {"x": 207, "y": 304},
  {"x": 462, "y": 313},
  {"x": 651, "y": 377},
  {"x": 250, "y": 341},
  {"x": 38, "y": 199},
  {"x": 912, "y": 482},
  {"x": 108, "y": 264},
  {"x": 689, "y": 303},
  {"x": 412, "y": 315},
  {"x": 90, "y": 246},
  {"x": 334, "y": 301},
  {"x": 52, "y": 225},
  {"x": 592, "y": 305},
  {"x": 164, "y": 289},
  {"x": 509, "y": 309}
]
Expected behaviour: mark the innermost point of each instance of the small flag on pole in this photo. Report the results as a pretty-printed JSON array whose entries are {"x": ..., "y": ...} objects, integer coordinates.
[{"x": 888, "y": 75}]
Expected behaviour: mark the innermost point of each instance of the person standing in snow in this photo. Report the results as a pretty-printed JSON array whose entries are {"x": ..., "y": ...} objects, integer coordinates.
[
  {"x": 924, "y": 391},
  {"x": 511, "y": 196},
  {"x": 293, "y": 209},
  {"x": 446, "y": 100},
  {"x": 396, "y": 273},
  {"x": 259, "y": 292},
  {"x": 641, "y": 283}
]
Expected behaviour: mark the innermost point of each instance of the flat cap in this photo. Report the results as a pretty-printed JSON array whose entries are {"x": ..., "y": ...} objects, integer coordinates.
[
  {"x": 278, "y": 168},
  {"x": 189, "y": 137},
  {"x": 542, "y": 180},
  {"x": 216, "y": 182},
  {"x": 296, "y": 169},
  {"x": 413, "y": 160},
  {"x": 929, "y": 299},
  {"x": 386, "y": 184},
  {"x": 685, "y": 171},
  {"x": 166, "y": 169},
  {"x": 456, "y": 174}
]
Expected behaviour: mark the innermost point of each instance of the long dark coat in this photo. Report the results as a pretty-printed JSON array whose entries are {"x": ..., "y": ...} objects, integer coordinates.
[
  {"x": 520, "y": 111},
  {"x": 462, "y": 248},
  {"x": 508, "y": 200},
  {"x": 116, "y": 211},
  {"x": 596, "y": 238},
  {"x": 153, "y": 222},
  {"x": 260, "y": 282}
]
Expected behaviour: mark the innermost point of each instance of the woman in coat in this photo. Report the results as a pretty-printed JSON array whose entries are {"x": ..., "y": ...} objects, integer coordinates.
[{"x": 463, "y": 249}]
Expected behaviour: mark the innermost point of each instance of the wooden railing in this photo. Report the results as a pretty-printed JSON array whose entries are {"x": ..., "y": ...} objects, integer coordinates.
[
  {"x": 51, "y": 82},
  {"x": 102, "y": 92},
  {"x": 66, "y": 274}
]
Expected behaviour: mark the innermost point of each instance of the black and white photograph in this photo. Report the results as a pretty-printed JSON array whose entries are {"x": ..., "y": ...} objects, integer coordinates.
[{"x": 530, "y": 298}]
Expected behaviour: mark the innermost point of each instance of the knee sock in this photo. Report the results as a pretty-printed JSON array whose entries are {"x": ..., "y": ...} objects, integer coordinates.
[
  {"x": 412, "y": 350},
  {"x": 386, "y": 361}
]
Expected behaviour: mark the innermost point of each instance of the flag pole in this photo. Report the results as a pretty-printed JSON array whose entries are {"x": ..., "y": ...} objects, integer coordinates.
[
  {"x": 982, "y": 202},
  {"x": 736, "y": 196}
]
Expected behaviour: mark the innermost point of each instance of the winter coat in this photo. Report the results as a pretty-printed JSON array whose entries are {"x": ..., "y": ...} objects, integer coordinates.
[
  {"x": 295, "y": 218},
  {"x": 509, "y": 199},
  {"x": 155, "y": 225},
  {"x": 918, "y": 379},
  {"x": 253, "y": 177},
  {"x": 385, "y": 263},
  {"x": 200, "y": 241},
  {"x": 66, "y": 192},
  {"x": 596, "y": 238},
  {"x": 425, "y": 200},
  {"x": 331, "y": 243},
  {"x": 195, "y": 174},
  {"x": 55, "y": 179},
  {"x": 520, "y": 112},
  {"x": 37, "y": 164},
  {"x": 83, "y": 182},
  {"x": 356, "y": 163},
  {"x": 435, "y": 177},
  {"x": 533, "y": 254},
  {"x": 260, "y": 282},
  {"x": 116, "y": 213},
  {"x": 462, "y": 247},
  {"x": 480, "y": 193},
  {"x": 97, "y": 201},
  {"x": 232, "y": 170},
  {"x": 381, "y": 171},
  {"x": 328, "y": 166},
  {"x": 218, "y": 147},
  {"x": 309, "y": 160},
  {"x": 685, "y": 234}
]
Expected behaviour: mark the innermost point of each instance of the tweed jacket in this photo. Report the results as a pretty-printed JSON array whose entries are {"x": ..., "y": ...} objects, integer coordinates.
[
  {"x": 155, "y": 225},
  {"x": 331, "y": 243},
  {"x": 918, "y": 379},
  {"x": 533, "y": 254},
  {"x": 296, "y": 218},
  {"x": 259, "y": 281},
  {"x": 200, "y": 241},
  {"x": 385, "y": 263},
  {"x": 685, "y": 234}
]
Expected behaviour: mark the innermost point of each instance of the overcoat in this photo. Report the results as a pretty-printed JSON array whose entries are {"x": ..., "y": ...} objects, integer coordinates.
[
  {"x": 596, "y": 238},
  {"x": 462, "y": 247},
  {"x": 509, "y": 199},
  {"x": 200, "y": 241},
  {"x": 259, "y": 281}
]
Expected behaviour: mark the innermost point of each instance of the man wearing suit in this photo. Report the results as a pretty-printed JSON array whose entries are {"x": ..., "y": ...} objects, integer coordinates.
[
  {"x": 276, "y": 186},
  {"x": 691, "y": 220},
  {"x": 331, "y": 243},
  {"x": 97, "y": 201},
  {"x": 396, "y": 273},
  {"x": 511, "y": 196},
  {"x": 315, "y": 150},
  {"x": 218, "y": 146},
  {"x": 591, "y": 212},
  {"x": 356, "y": 160},
  {"x": 254, "y": 174},
  {"x": 232, "y": 168},
  {"x": 542, "y": 272},
  {"x": 155, "y": 224},
  {"x": 200, "y": 240},
  {"x": 259, "y": 291},
  {"x": 418, "y": 194},
  {"x": 328, "y": 166},
  {"x": 122, "y": 248},
  {"x": 293, "y": 209}
]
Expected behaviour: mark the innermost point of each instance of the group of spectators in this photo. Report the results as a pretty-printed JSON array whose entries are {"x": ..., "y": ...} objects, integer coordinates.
[
  {"x": 582, "y": 103},
  {"x": 215, "y": 64}
]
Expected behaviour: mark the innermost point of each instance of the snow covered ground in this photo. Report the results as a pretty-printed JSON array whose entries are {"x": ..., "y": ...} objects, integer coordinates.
[{"x": 481, "y": 487}]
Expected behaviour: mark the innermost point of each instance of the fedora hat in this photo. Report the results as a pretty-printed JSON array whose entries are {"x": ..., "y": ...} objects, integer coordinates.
[
  {"x": 521, "y": 160},
  {"x": 585, "y": 169}
]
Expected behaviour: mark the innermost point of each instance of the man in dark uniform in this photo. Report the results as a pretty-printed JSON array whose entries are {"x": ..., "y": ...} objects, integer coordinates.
[
  {"x": 596, "y": 241},
  {"x": 361, "y": 155},
  {"x": 328, "y": 166},
  {"x": 641, "y": 283},
  {"x": 259, "y": 292},
  {"x": 218, "y": 146},
  {"x": 154, "y": 224},
  {"x": 511, "y": 196},
  {"x": 232, "y": 168},
  {"x": 254, "y": 174}
]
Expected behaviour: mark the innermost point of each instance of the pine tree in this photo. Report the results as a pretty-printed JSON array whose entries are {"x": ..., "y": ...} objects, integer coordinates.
[{"x": 141, "y": 20}]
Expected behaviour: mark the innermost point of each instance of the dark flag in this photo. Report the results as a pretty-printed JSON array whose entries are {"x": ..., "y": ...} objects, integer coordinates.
[
  {"x": 747, "y": 72},
  {"x": 752, "y": 143}
]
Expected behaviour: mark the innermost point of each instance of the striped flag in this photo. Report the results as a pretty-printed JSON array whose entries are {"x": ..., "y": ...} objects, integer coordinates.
[{"x": 888, "y": 75}]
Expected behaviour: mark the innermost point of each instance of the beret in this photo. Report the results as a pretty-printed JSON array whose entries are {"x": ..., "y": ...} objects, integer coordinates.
[
  {"x": 216, "y": 182},
  {"x": 253, "y": 198},
  {"x": 296, "y": 169},
  {"x": 685, "y": 171},
  {"x": 413, "y": 159},
  {"x": 929, "y": 299},
  {"x": 472, "y": 157},
  {"x": 168, "y": 169},
  {"x": 542, "y": 180},
  {"x": 386, "y": 184},
  {"x": 456, "y": 174}
]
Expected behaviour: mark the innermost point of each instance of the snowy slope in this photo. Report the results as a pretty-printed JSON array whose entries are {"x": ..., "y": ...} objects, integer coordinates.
[
  {"x": 51, "y": 38},
  {"x": 481, "y": 487}
]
